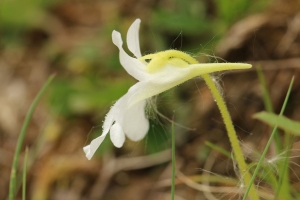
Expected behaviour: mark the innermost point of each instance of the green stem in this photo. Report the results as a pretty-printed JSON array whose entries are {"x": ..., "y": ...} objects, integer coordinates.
[
  {"x": 12, "y": 184},
  {"x": 232, "y": 135},
  {"x": 173, "y": 163}
]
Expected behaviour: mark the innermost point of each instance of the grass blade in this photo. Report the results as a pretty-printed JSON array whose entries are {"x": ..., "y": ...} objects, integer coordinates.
[
  {"x": 266, "y": 95},
  {"x": 12, "y": 184},
  {"x": 269, "y": 141},
  {"x": 219, "y": 149},
  {"x": 24, "y": 175},
  {"x": 268, "y": 104},
  {"x": 283, "y": 189},
  {"x": 282, "y": 122}
]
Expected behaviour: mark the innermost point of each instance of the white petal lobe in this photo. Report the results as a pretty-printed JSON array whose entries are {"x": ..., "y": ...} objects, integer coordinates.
[
  {"x": 133, "y": 66},
  {"x": 117, "y": 135},
  {"x": 91, "y": 149},
  {"x": 109, "y": 119},
  {"x": 136, "y": 124},
  {"x": 116, "y": 38},
  {"x": 133, "y": 42}
]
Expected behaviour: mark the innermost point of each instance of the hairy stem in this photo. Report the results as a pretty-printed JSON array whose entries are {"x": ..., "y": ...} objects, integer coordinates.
[{"x": 243, "y": 168}]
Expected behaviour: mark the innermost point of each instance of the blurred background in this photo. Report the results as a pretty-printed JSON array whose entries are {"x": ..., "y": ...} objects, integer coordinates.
[{"x": 72, "y": 38}]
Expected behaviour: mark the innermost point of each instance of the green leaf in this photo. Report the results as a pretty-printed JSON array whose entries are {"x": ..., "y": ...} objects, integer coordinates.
[
  {"x": 219, "y": 149},
  {"x": 282, "y": 122}
]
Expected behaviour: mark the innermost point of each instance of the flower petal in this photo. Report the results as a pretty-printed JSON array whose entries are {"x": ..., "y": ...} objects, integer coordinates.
[
  {"x": 136, "y": 124},
  {"x": 117, "y": 135},
  {"x": 161, "y": 81},
  {"x": 170, "y": 76},
  {"x": 133, "y": 42},
  {"x": 91, "y": 149},
  {"x": 109, "y": 119},
  {"x": 133, "y": 66}
]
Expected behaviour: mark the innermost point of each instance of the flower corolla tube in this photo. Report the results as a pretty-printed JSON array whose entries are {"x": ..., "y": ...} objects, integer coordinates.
[{"x": 155, "y": 73}]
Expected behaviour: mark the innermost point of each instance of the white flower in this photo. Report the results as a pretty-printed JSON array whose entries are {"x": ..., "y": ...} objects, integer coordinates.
[{"x": 165, "y": 70}]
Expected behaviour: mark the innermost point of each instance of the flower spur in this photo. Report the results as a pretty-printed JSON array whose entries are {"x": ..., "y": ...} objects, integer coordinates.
[{"x": 156, "y": 73}]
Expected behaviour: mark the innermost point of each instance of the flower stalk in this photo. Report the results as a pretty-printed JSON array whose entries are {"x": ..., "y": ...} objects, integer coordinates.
[
  {"x": 238, "y": 153},
  {"x": 243, "y": 168},
  {"x": 182, "y": 59}
]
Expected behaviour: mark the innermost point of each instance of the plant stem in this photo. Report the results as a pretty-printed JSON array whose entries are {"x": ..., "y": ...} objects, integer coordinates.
[
  {"x": 243, "y": 168},
  {"x": 12, "y": 184}
]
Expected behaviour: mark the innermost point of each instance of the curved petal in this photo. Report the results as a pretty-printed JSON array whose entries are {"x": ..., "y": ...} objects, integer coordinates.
[
  {"x": 133, "y": 66},
  {"x": 90, "y": 150},
  {"x": 117, "y": 135},
  {"x": 109, "y": 119},
  {"x": 119, "y": 108},
  {"x": 136, "y": 124},
  {"x": 133, "y": 42},
  {"x": 170, "y": 76}
]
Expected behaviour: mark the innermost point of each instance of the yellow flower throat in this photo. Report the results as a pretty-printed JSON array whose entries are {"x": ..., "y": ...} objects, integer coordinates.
[{"x": 172, "y": 57}]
